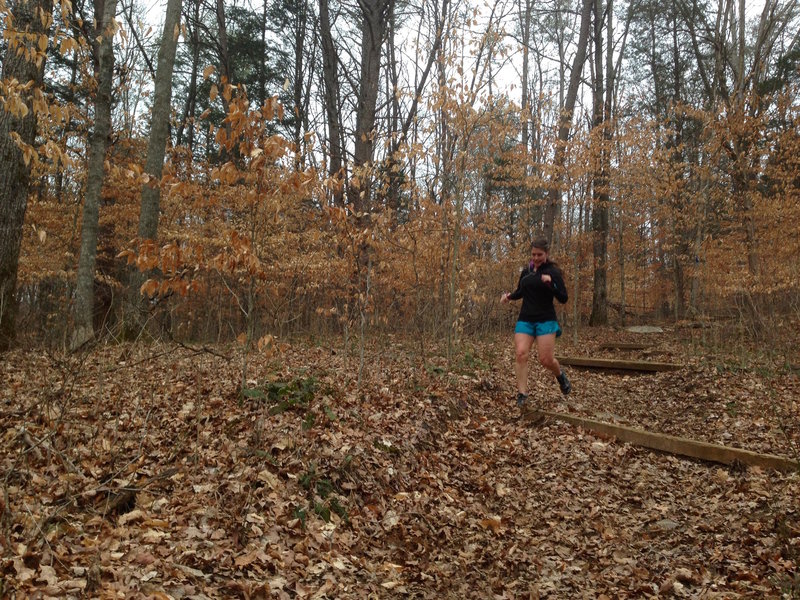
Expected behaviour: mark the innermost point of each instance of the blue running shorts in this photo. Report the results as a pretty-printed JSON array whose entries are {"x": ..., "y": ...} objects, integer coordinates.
[{"x": 536, "y": 329}]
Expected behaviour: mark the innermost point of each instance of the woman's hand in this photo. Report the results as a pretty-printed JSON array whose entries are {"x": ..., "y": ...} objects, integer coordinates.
[
  {"x": 504, "y": 298},
  {"x": 546, "y": 278}
]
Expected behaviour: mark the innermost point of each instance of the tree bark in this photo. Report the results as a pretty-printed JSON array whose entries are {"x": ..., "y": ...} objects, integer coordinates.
[
  {"x": 525, "y": 8},
  {"x": 193, "y": 26},
  {"x": 160, "y": 121},
  {"x": 392, "y": 168},
  {"x": 599, "y": 315},
  {"x": 525, "y": 23},
  {"x": 84, "y": 294},
  {"x": 374, "y": 22},
  {"x": 222, "y": 44},
  {"x": 300, "y": 33},
  {"x": 156, "y": 150},
  {"x": 226, "y": 79},
  {"x": 682, "y": 233},
  {"x": 24, "y": 61},
  {"x": 330, "y": 66}
]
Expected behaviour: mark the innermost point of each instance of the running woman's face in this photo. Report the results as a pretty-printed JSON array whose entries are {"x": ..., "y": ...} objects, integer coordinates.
[{"x": 538, "y": 256}]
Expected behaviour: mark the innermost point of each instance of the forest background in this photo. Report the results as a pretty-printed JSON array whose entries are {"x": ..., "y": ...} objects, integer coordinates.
[{"x": 293, "y": 168}]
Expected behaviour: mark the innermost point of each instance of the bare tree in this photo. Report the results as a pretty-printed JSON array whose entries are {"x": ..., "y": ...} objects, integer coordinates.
[
  {"x": 156, "y": 147},
  {"x": 600, "y": 195},
  {"x": 103, "y": 49},
  {"x": 553, "y": 207},
  {"x": 300, "y": 94},
  {"x": 187, "y": 120},
  {"x": 330, "y": 75},
  {"x": 722, "y": 50},
  {"x": 401, "y": 123},
  {"x": 375, "y": 15}
]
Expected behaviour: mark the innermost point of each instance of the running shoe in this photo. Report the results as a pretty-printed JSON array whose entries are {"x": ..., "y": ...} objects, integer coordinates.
[{"x": 564, "y": 384}]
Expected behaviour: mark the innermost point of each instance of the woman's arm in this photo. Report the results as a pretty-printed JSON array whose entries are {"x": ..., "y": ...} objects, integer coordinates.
[
  {"x": 558, "y": 286},
  {"x": 517, "y": 293}
]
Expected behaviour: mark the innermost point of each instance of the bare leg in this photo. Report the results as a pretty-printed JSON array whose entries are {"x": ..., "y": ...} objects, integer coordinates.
[
  {"x": 522, "y": 346},
  {"x": 545, "y": 347}
]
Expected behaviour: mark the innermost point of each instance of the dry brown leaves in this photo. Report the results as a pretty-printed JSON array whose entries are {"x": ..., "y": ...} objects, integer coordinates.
[{"x": 141, "y": 472}]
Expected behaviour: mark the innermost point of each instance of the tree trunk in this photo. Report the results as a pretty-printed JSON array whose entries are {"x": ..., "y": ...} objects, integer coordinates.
[
  {"x": 191, "y": 94},
  {"x": 525, "y": 8},
  {"x": 330, "y": 67},
  {"x": 32, "y": 18},
  {"x": 261, "y": 75},
  {"x": 300, "y": 35},
  {"x": 680, "y": 288},
  {"x": 553, "y": 207},
  {"x": 160, "y": 120},
  {"x": 621, "y": 258},
  {"x": 525, "y": 23},
  {"x": 156, "y": 149},
  {"x": 84, "y": 293},
  {"x": 742, "y": 190},
  {"x": 374, "y": 22},
  {"x": 222, "y": 45},
  {"x": 599, "y": 315},
  {"x": 226, "y": 79},
  {"x": 682, "y": 233},
  {"x": 392, "y": 169}
]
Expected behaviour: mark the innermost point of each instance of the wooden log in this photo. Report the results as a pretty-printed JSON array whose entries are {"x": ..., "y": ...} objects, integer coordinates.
[
  {"x": 676, "y": 445},
  {"x": 624, "y": 346},
  {"x": 613, "y": 363}
]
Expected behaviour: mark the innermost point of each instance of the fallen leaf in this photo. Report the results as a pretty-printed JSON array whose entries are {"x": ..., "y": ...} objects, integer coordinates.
[
  {"x": 131, "y": 516},
  {"x": 48, "y": 575}
]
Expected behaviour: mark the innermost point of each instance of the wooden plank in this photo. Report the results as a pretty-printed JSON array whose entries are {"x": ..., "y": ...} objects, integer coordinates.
[
  {"x": 613, "y": 363},
  {"x": 676, "y": 445},
  {"x": 624, "y": 346}
]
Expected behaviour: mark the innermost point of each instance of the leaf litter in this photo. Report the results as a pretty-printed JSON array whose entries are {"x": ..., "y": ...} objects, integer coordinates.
[{"x": 148, "y": 472}]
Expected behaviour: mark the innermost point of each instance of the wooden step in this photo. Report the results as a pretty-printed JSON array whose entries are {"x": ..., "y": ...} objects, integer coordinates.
[
  {"x": 674, "y": 445},
  {"x": 613, "y": 363}
]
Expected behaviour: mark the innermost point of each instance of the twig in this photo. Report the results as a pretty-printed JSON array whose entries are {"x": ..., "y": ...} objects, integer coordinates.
[
  {"x": 32, "y": 446},
  {"x": 129, "y": 18},
  {"x": 195, "y": 351},
  {"x": 201, "y": 350},
  {"x": 166, "y": 474},
  {"x": 29, "y": 439},
  {"x": 39, "y": 527},
  {"x": 422, "y": 518},
  {"x": 138, "y": 362}
]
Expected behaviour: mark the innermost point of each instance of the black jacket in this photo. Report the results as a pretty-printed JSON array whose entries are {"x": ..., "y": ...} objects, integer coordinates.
[{"x": 537, "y": 296}]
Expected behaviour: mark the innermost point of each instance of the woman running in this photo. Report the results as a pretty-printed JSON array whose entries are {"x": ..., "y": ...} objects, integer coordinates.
[{"x": 539, "y": 283}]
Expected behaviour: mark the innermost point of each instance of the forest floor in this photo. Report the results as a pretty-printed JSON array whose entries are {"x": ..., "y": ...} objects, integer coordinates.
[{"x": 150, "y": 472}]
